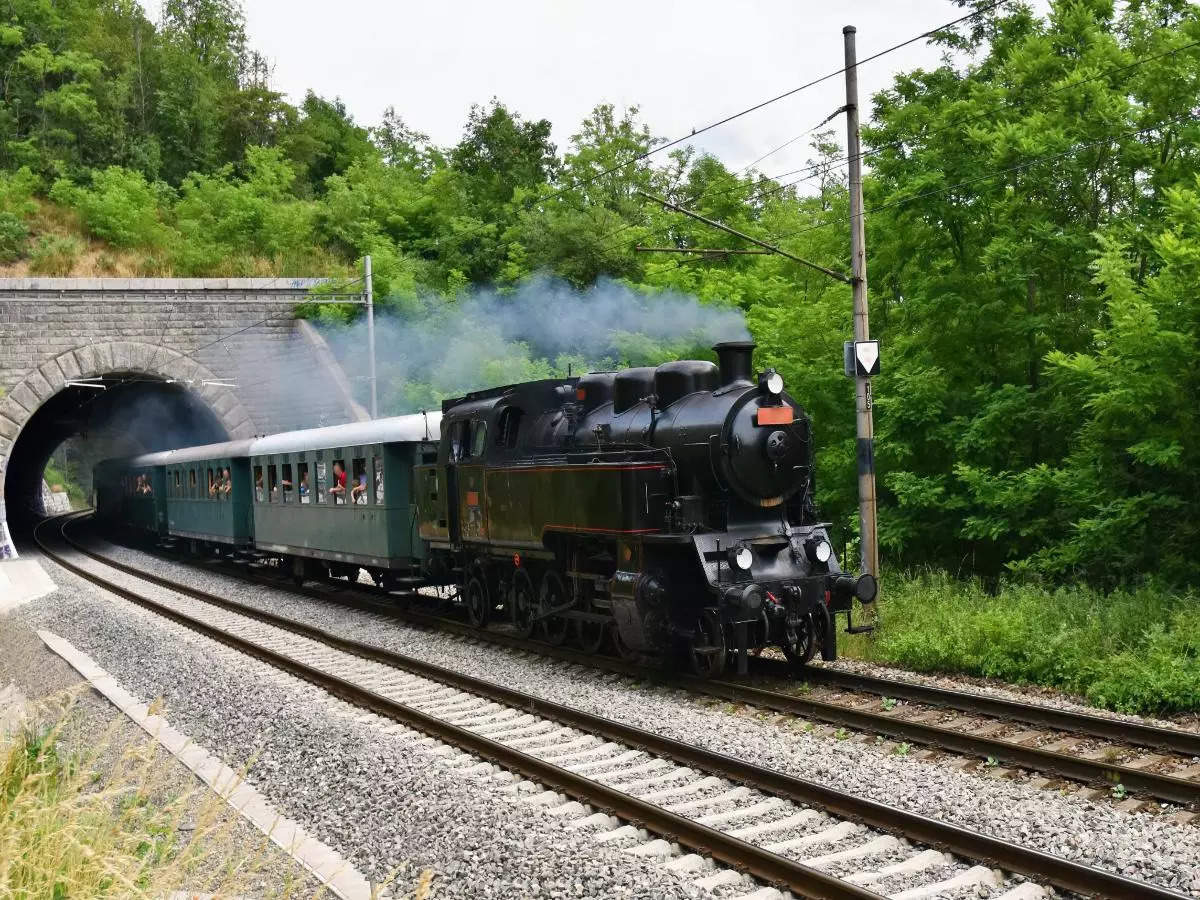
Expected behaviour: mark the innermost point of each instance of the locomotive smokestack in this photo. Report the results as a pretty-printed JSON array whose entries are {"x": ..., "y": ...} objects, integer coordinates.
[{"x": 734, "y": 360}]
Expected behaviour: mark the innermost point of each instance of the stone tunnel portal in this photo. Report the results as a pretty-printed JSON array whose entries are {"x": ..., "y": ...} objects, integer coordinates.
[{"x": 117, "y": 414}]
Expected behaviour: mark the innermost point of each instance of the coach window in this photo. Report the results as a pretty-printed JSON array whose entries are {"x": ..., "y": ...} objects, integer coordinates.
[
  {"x": 272, "y": 484},
  {"x": 506, "y": 429},
  {"x": 321, "y": 495},
  {"x": 339, "y": 482},
  {"x": 377, "y": 477},
  {"x": 192, "y": 483},
  {"x": 212, "y": 486},
  {"x": 302, "y": 488},
  {"x": 478, "y": 438},
  {"x": 358, "y": 484},
  {"x": 258, "y": 485},
  {"x": 286, "y": 483},
  {"x": 178, "y": 484}
]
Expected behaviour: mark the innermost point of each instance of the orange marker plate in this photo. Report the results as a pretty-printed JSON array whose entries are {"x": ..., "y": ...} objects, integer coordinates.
[{"x": 775, "y": 415}]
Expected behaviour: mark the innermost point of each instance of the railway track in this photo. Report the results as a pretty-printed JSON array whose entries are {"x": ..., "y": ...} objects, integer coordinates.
[
  {"x": 1126, "y": 760},
  {"x": 775, "y": 827}
]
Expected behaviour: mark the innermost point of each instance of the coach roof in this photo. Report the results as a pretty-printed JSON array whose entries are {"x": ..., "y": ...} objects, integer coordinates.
[
  {"x": 416, "y": 427},
  {"x": 225, "y": 450}
]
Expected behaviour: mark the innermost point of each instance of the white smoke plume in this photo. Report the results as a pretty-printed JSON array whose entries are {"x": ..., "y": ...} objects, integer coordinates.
[{"x": 433, "y": 347}]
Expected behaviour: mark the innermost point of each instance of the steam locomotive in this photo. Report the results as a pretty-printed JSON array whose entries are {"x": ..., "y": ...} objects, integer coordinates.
[{"x": 668, "y": 510}]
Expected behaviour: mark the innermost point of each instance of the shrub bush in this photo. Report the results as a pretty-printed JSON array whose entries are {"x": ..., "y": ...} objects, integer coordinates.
[
  {"x": 1133, "y": 651},
  {"x": 119, "y": 207},
  {"x": 14, "y": 236},
  {"x": 55, "y": 255}
]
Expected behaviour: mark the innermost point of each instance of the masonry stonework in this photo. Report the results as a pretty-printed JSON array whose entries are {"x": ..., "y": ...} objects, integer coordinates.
[{"x": 234, "y": 342}]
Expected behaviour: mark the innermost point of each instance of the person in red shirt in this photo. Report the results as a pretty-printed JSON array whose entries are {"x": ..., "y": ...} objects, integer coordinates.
[{"x": 339, "y": 483}]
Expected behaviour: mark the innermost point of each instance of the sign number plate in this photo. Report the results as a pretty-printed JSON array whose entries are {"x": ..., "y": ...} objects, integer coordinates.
[{"x": 862, "y": 358}]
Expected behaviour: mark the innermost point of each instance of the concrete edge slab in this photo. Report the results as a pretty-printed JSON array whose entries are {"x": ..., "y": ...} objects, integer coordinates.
[
  {"x": 325, "y": 863},
  {"x": 22, "y": 580}
]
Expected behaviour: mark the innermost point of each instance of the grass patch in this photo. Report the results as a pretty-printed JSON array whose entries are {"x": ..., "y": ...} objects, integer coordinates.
[
  {"x": 112, "y": 821},
  {"x": 1134, "y": 651}
]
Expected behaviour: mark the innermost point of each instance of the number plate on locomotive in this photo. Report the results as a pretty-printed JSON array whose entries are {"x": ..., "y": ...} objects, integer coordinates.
[{"x": 775, "y": 415}]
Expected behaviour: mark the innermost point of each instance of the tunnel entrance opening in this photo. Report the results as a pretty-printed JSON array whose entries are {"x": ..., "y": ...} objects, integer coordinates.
[{"x": 117, "y": 414}]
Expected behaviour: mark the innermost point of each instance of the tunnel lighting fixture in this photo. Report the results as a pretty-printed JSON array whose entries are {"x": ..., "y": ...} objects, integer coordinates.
[
  {"x": 87, "y": 384},
  {"x": 219, "y": 384}
]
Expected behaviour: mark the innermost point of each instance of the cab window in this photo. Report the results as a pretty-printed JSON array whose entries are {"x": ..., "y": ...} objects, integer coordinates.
[
  {"x": 460, "y": 433},
  {"x": 478, "y": 438},
  {"x": 506, "y": 429}
]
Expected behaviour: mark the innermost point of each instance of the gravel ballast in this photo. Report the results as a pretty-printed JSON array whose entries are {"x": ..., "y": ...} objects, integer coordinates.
[
  {"x": 100, "y": 734},
  {"x": 378, "y": 798},
  {"x": 1139, "y": 845}
]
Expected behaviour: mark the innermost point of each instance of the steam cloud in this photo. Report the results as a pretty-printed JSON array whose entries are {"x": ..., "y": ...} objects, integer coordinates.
[{"x": 435, "y": 348}]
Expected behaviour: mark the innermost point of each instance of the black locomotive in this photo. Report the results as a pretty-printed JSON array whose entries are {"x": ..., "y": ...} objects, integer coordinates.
[
  {"x": 668, "y": 510},
  {"x": 674, "y": 504}
]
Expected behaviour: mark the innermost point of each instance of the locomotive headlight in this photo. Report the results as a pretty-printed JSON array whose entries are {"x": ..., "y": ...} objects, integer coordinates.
[
  {"x": 819, "y": 550},
  {"x": 771, "y": 382},
  {"x": 741, "y": 558}
]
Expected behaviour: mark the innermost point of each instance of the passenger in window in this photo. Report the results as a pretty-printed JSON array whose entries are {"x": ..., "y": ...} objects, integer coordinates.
[
  {"x": 339, "y": 482},
  {"x": 226, "y": 482},
  {"x": 358, "y": 493},
  {"x": 258, "y": 485}
]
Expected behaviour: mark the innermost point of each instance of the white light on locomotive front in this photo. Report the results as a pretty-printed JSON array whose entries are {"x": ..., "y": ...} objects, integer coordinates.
[
  {"x": 823, "y": 551},
  {"x": 743, "y": 558},
  {"x": 775, "y": 383}
]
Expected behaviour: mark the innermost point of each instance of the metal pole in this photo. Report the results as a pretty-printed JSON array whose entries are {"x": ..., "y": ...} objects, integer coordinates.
[
  {"x": 868, "y": 525},
  {"x": 370, "y": 289}
]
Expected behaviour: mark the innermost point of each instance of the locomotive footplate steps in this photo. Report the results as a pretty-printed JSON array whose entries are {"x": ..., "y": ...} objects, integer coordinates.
[{"x": 1043, "y": 867}]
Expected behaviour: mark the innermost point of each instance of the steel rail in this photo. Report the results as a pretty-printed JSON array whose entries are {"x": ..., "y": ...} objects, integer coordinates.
[
  {"x": 1175, "y": 740},
  {"x": 1058, "y": 871},
  {"x": 1093, "y": 771},
  {"x": 762, "y": 864}
]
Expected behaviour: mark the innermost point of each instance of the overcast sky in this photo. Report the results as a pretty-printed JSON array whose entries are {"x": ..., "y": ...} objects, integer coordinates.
[{"x": 685, "y": 64}]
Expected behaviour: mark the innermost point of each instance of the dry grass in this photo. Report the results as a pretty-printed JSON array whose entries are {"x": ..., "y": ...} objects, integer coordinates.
[
  {"x": 68, "y": 250},
  {"x": 112, "y": 822}
]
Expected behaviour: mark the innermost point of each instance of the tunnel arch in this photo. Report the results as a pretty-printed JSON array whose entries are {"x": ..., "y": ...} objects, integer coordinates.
[{"x": 156, "y": 396}]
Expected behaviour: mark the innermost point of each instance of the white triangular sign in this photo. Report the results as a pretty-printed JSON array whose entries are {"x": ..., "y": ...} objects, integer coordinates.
[{"x": 867, "y": 354}]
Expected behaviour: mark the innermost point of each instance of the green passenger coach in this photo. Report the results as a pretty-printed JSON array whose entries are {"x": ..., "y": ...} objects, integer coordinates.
[
  {"x": 342, "y": 497},
  {"x": 208, "y": 492}
]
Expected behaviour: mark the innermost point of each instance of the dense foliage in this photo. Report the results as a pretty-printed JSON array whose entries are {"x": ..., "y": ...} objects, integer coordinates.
[
  {"x": 1033, "y": 217},
  {"x": 1136, "y": 651}
]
